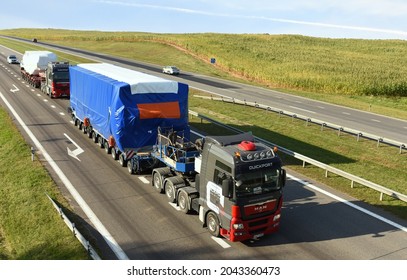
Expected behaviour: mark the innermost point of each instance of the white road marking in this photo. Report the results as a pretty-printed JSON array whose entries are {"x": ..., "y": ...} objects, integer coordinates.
[
  {"x": 121, "y": 255},
  {"x": 321, "y": 107},
  {"x": 346, "y": 113},
  {"x": 62, "y": 114},
  {"x": 297, "y": 108},
  {"x": 221, "y": 242},
  {"x": 53, "y": 106},
  {"x": 144, "y": 180},
  {"x": 38, "y": 94},
  {"x": 75, "y": 153},
  {"x": 373, "y": 120},
  {"x": 350, "y": 204},
  {"x": 45, "y": 100},
  {"x": 175, "y": 206}
]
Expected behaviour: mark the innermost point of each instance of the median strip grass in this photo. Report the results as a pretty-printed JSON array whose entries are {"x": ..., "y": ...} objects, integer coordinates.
[{"x": 30, "y": 228}]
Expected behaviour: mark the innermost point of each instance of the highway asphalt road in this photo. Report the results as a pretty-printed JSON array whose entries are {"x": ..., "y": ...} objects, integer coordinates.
[{"x": 125, "y": 209}]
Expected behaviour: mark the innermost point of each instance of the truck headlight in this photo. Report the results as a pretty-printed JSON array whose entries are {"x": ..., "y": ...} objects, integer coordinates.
[
  {"x": 276, "y": 217},
  {"x": 238, "y": 226}
]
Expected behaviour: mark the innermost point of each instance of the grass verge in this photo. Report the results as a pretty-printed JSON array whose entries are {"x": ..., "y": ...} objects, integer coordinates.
[{"x": 30, "y": 228}]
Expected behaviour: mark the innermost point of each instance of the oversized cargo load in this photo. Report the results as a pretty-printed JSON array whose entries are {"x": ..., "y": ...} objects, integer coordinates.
[
  {"x": 35, "y": 61},
  {"x": 127, "y": 105}
]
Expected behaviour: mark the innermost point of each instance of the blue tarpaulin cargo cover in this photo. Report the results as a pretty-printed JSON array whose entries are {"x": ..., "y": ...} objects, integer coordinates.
[{"x": 126, "y": 104}]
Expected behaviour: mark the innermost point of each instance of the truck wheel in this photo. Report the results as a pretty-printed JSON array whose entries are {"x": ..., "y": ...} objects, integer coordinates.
[
  {"x": 169, "y": 190},
  {"x": 108, "y": 150},
  {"x": 122, "y": 161},
  {"x": 115, "y": 155},
  {"x": 100, "y": 141},
  {"x": 183, "y": 201},
  {"x": 130, "y": 167},
  {"x": 94, "y": 137},
  {"x": 212, "y": 223},
  {"x": 157, "y": 182}
]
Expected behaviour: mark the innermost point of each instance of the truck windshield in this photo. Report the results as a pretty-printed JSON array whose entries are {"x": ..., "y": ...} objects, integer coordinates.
[
  {"x": 61, "y": 76},
  {"x": 257, "y": 182}
]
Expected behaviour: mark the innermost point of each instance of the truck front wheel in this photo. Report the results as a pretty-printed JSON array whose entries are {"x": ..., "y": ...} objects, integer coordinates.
[{"x": 212, "y": 223}]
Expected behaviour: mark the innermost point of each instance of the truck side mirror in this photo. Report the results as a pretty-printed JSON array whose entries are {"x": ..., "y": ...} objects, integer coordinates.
[{"x": 227, "y": 185}]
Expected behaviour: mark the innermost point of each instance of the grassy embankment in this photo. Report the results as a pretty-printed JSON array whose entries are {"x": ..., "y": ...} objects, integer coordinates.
[
  {"x": 30, "y": 228},
  {"x": 381, "y": 165}
]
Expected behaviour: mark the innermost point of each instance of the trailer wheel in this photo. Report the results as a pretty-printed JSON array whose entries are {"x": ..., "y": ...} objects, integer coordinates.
[
  {"x": 157, "y": 182},
  {"x": 115, "y": 155},
  {"x": 122, "y": 161},
  {"x": 100, "y": 141},
  {"x": 212, "y": 223},
  {"x": 108, "y": 149},
  {"x": 183, "y": 201},
  {"x": 130, "y": 167},
  {"x": 94, "y": 137},
  {"x": 170, "y": 190}
]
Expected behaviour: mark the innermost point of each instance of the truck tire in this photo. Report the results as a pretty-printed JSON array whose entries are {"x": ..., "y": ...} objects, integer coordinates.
[
  {"x": 94, "y": 137},
  {"x": 122, "y": 160},
  {"x": 157, "y": 182},
  {"x": 183, "y": 201},
  {"x": 115, "y": 154},
  {"x": 130, "y": 167},
  {"x": 100, "y": 141},
  {"x": 212, "y": 222},
  {"x": 108, "y": 150},
  {"x": 171, "y": 184},
  {"x": 169, "y": 190}
]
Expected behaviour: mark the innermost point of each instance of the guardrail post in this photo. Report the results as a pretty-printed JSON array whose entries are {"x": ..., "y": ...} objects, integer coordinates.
[
  {"x": 378, "y": 142},
  {"x": 293, "y": 117},
  {"x": 303, "y": 163},
  {"x": 308, "y": 120},
  {"x": 73, "y": 229},
  {"x": 359, "y": 135},
  {"x": 322, "y": 126},
  {"x": 381, "y": 196},
  {"x": 401, "y": 148},
  {"x": 352, "y": 184},
  {"x": 326, "y": 173},
  {"x": 32, "y": 153},
  {"x": 340, "y": 130}
]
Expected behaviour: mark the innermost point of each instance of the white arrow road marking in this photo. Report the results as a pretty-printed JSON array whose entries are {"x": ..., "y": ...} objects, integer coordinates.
[
  {"x": 14, "y": 89},
  {"x": 75, "y": 152}
]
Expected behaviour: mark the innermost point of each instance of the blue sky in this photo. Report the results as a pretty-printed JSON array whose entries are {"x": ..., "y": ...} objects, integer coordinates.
[{"x": 368, "y": 19}]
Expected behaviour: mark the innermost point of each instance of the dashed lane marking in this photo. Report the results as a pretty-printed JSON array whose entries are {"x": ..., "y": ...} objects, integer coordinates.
[
  {"x": 143, "y": 180},
  {"x": 221, "y": 242}
]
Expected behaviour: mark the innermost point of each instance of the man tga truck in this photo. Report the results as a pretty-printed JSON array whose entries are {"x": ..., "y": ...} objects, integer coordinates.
[
  {"x": 42, "y": 70},
  {"x": 233, "y": 182}
]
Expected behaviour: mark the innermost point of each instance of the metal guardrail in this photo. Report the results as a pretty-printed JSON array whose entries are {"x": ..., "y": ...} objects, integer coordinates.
[
  {"x": 323, "y": 124},
  {"x": 354, "y": 179},
  {"x": 92, "y": 253}
]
